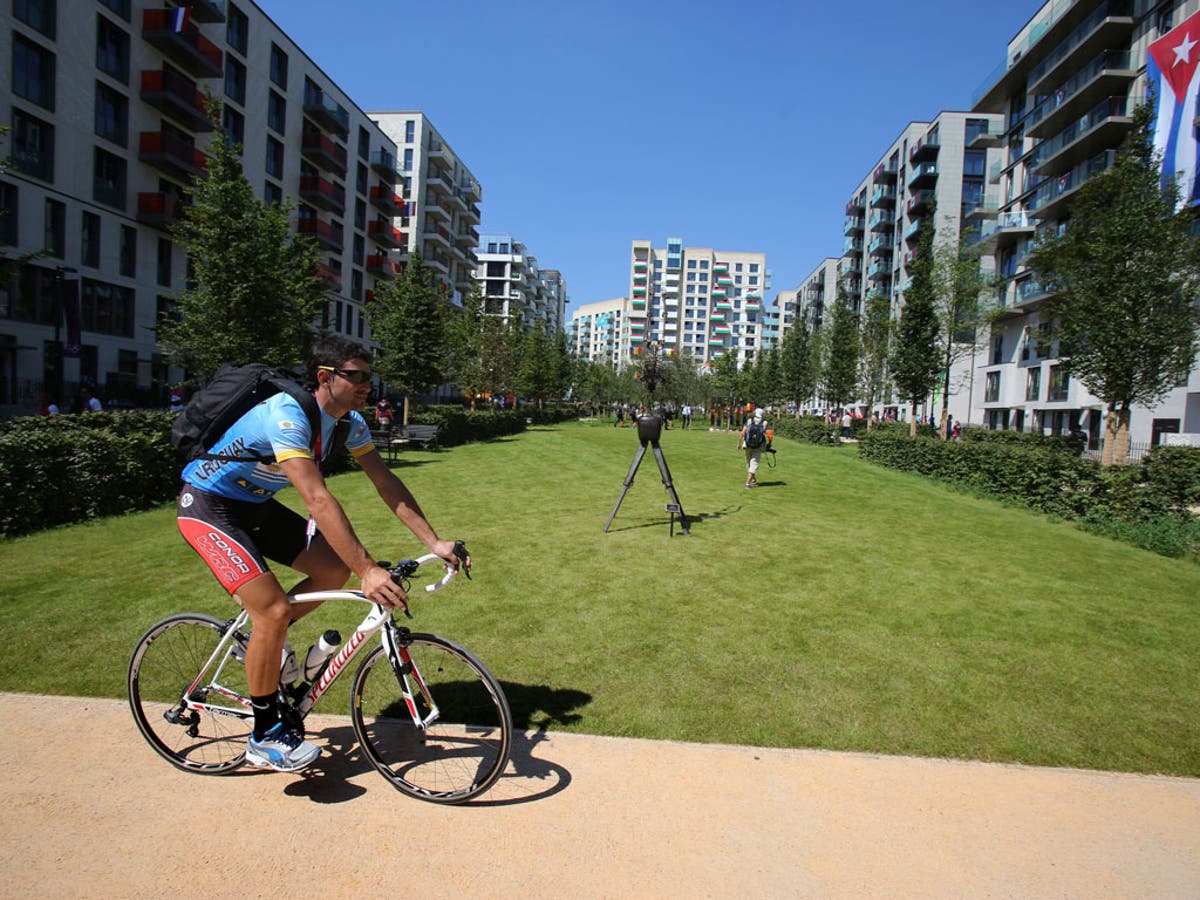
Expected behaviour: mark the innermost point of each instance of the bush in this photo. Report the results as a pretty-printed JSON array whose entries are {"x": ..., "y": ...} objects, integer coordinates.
[
  {"x": 1174, "y": 473},
  {"x": 459, "y": 426},
  {"x": 809, "y": 429}
]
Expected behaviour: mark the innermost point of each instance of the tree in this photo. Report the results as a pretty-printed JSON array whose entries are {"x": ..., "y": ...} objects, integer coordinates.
[
  {"x": 255, "y": 293},
  {"x": 540, "y": 374},
  {"x": 839, "y": 371},
  {"x": 728, "y": 383},
  {"x": 408, "y": 319},
  {"x": 914, "y": 359},
  {"x": 876, "y": 341},
  {"x": 795, "y": 367},
  {"x": 1124, "y": 276},
  {"x": 465, "y": 338}
]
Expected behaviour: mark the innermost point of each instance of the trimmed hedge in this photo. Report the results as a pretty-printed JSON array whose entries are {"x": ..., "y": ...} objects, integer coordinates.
[{"x": 1139, "y": 503}]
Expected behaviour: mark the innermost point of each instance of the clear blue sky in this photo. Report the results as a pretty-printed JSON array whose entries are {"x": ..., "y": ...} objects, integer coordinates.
[{"x": 739, "y": 126}]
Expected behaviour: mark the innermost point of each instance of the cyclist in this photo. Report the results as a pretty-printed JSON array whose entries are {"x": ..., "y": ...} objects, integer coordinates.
[{"x": 228, "y": 514}]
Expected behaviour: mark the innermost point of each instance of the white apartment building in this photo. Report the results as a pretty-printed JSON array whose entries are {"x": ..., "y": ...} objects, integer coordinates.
[
  {"x": 1066, "y": 90},
  {"x": 104, "y": 100},
  {"x": 513, "y": 284},
  {"x": 698, "y": 300},
  {"x": 441, "y": 219},
  {"x": 600, "y": 331}
]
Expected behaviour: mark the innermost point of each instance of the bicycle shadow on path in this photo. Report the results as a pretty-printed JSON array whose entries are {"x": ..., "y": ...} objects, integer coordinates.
[{"x": 334, "y": 777}]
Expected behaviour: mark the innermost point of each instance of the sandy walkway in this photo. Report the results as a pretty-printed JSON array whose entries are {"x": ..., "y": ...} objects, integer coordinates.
[{"x": 578, "y": 816}]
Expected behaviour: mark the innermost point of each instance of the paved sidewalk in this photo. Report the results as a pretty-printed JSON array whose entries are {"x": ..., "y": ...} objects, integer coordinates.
[{"x": 88, "y": 809}]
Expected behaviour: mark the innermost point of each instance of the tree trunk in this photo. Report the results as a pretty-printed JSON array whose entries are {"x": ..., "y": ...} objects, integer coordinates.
[
  {"x": 404, "y": 420},
  {"x": 1110, "y": 437},
  {"x": 1119, "y": 435},
  {"x": 912, "y": 419}
]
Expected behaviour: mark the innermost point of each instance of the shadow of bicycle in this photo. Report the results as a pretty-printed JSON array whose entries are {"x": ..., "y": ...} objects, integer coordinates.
[{"x": 343, "y": 773}]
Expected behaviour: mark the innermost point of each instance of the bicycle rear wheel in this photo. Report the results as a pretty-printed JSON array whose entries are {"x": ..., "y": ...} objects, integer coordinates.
[
  {"x": 171, "y": 657},
  {"x": 467, "y": 736}
]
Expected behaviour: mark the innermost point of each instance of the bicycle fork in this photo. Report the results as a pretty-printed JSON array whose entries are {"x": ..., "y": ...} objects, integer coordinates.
[{"x": 396, "y": 640}]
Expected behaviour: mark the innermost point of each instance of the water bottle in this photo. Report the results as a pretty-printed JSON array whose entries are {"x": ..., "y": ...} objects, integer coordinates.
[{"x": 318, "y": 653}]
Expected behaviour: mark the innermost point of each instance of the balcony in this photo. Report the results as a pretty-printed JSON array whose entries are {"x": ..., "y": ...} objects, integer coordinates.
[
  {"x": 330, "y": 275},
  {"x": 853, "y": 226},
  {"x": 172, "y": 155},
  {"x": 327, "y": 113},
  {"x": 325, "y": 194},
  {"x": 1008, "y": 228},
  {"x": 175, "y": 96},
  {"x": 381, "y": 267},
  {"x": 385, "y": 235},
  {"x": 327, "y": 235},
  {"x": 1104, "y": 126},
  {"x": 161, "y": 211},
  {"x": 883, "y": 220},
  {"x": 880, "y": 270},
  {"x": 983, "y": 136},
  {"x": 925, "y": 149},
  {"x": 885, "y": 173},
  {"x": 856, "y": 206},
  {"x": 920, "y": 203},
  {"x": 471, "y": 214},
  {"x": 881, "y": 246},
  {"x": 1108, "y": 75},
  {"x": 384, "y": 164},
  {"x": 1109, "y": 26},
  {"x": 323, "y": 152},
  {"x": 922, "y": 175},
  {"x": 188, "y": 48},
  {"x": 988, "y": 207},
  {"x": 883, "y": 196},
  {"x": 913, "y": 231},
  {"x": 852, "y": 245},
  {"x": 1051, "y": 197},
  {"x": 388, "y": 201},
  {"x": 436, "y": 234},
  {"x": 206, "y": 11}
]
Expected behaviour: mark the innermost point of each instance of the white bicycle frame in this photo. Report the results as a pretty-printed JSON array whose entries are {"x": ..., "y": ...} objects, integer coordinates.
[{"x": 375, "y": 620}]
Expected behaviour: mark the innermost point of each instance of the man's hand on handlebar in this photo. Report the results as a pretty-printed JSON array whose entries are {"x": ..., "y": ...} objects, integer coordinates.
[
  {"x": 455, "y": 554},
  {"x": 379, "y": 587}
]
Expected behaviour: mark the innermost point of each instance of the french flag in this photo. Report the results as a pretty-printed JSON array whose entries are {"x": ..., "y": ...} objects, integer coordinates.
[
  {"x": 1171, "y": 69},
  {"x": 179, "y": 19}
]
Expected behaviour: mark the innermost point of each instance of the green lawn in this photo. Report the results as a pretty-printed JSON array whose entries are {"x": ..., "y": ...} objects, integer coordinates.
[{"x": 838, "y": 605}]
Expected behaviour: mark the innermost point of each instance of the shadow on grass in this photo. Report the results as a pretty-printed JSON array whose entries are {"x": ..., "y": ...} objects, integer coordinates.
[
  {"x": 529, "y": 776},
  {"x": 692, "y": 519}
]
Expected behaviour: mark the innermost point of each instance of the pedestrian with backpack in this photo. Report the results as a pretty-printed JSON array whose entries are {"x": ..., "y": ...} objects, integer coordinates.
[
  {"x": 229, "y": 515},
  {"x": 753, "y": 439}
]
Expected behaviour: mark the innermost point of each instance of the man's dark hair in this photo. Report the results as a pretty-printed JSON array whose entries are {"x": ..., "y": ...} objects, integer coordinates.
[{"x": 333, "y": 350}]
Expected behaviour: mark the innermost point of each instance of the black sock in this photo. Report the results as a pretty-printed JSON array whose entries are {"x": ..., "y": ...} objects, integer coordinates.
[{"x": 266, "y": 714}]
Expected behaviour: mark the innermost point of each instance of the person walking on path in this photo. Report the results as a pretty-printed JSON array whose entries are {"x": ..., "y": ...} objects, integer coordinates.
[{"x": 753, "y": 439}]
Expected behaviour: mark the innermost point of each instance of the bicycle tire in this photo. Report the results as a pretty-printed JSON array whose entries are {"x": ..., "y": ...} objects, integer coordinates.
[
  {"x": 167, "y": 659},
  {"x": 453, "y": 759}
]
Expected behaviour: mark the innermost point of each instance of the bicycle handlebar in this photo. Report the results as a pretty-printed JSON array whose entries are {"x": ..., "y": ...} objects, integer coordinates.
[{"x": 405, "y": 569}]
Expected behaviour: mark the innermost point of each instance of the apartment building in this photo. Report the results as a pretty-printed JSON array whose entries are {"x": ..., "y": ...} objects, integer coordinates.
[
  {"x": 600, "y": 331},
  {"x": 513, "y": 285},
  {"x": 105, "y": 103},
  {"x": 699, "y": 300},
  {"x": 441, "y": 219},
  {"x": 939, "y": 166},
  {"x": 1066, "y": 90}
]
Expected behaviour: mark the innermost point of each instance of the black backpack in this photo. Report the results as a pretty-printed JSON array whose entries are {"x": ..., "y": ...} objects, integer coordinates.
[
  {"x": 233, "y": 392},
  {"x": 756, "y": 434}
]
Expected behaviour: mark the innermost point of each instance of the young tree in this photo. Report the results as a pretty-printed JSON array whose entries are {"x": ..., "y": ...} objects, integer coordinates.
[
  {"x": 914, "y": 358},
  {"x": 539, "y": 374},
  {"x": 839, "y": 373},
  {"x": 876, "y": 341},
  {"x": 796, "y": 371},
  {"x": 408, "y": 319},
  {"x": 255, "y": 294},
  {"x": 466, "y": 331},
  {"x": 1124, "y": 276}
]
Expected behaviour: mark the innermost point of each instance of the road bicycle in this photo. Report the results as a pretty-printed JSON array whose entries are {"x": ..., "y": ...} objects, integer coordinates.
[{"x": 428, "y": 715}]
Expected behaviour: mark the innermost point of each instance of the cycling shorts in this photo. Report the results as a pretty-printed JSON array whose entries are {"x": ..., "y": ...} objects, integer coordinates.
[{"x": 236, "y": 538}]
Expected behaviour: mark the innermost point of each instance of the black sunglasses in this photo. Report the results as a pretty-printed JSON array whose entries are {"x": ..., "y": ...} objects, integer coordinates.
[{"x": 354, "y": 376}]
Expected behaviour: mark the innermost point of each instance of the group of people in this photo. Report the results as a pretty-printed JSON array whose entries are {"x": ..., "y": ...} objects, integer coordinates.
[{"x": 86, "y": 401}]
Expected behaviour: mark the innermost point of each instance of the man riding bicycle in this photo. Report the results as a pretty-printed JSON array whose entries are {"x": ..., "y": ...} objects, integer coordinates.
[{"x": 229, "y": 515}]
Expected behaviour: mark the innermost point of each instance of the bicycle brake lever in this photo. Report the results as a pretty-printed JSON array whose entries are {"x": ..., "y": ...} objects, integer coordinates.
[{"x": 460, "y": 550}]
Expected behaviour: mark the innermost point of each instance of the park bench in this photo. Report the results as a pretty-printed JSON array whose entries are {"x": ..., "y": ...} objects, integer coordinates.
[{"x": 391, "y": 441}]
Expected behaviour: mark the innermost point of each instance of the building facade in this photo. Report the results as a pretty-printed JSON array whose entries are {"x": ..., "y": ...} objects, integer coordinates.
[
  {"x": 513, "y": 285},
  {"x": 105, "y": 103},
  {"x": 441, "y": 217},
  {"x": 600, "y": 332},
  {"x": 1066, "y": 91},
  {"x": 705, "y": 302}
]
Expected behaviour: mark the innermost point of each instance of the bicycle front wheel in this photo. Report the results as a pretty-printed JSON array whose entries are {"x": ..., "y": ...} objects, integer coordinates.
[
  {"x": 463, "y": 740},
  {"x": 173, "y": 664}
]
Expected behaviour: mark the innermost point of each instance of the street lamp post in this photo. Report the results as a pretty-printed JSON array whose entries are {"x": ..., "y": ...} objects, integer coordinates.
[{"x": 60, "y": 273}]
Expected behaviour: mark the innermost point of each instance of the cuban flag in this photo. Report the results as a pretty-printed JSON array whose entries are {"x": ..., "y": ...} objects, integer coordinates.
[
  {"x": 1171, "y": 68},
  {"x": 179, "y": 19}
]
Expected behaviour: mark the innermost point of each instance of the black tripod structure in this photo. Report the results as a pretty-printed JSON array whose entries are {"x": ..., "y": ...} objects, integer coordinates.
[{"x": 649, "y": 431}]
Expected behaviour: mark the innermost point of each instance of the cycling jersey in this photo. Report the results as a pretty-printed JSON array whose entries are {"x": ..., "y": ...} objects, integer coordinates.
[{"x": 276, "y": 427}]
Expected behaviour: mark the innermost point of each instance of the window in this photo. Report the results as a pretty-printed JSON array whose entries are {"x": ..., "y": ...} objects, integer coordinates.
[
  {"x": 32, "y": 72},
  {"x": 234, "y": 126},
  {"x": 360, "y": 179},
  {"x": 55, "y": 234},
  {"x": 753, "y": 267},
  {"x": 737, "y": 267},
  {"x": 1033, "y": 384},
  {"x": 235, "y": 80},
  {"x": 410, "y": 131},
  {"x": 973, "y": 163},
  {"x": 279, "y": 67},
  {"x": 491, "y": 248},
  {"x": 356, "y": 285},
  {"x": 274, "y": 158},
  {"x": 165, "y": 251},
  {"x": 128, "y": 251},
  {"x": 89, "y": 253},
  {"x": 112, "y": 50},
  {"x": 108, "y": 179},
  {"x": 8, "y": 214},
  {"x": 991, "y": 391},
  {"x": 120, "y": 7},
  {"x": 237, "y": 29},
  {"x": 33, "y": 146},
  {"x": 1060, "y": 385},
  {"x": 997, "y": 350},
  {"x": 360, "y": 215},
  {"x": 364, "y": 143},
  {"x": 106, "y": 308},
  {"x": 408, "y": 159},
  {"x": 691, "y": 263},
  {"x": 360, "y": 249},
  {"x": 112, "y": 115},
  {"x": 273, "y": 193},
  {"x": 39, "y": 14},
  {"x": 276, "y": 112}
]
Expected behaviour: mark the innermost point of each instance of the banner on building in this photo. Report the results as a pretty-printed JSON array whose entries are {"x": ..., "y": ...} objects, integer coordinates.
[{"x": 1171, "y": 70}]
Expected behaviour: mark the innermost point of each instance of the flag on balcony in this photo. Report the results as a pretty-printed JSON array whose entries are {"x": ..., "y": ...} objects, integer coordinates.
[
  {"x": 1171, "y": 68},
  {"x": 179, "y": 19}
]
